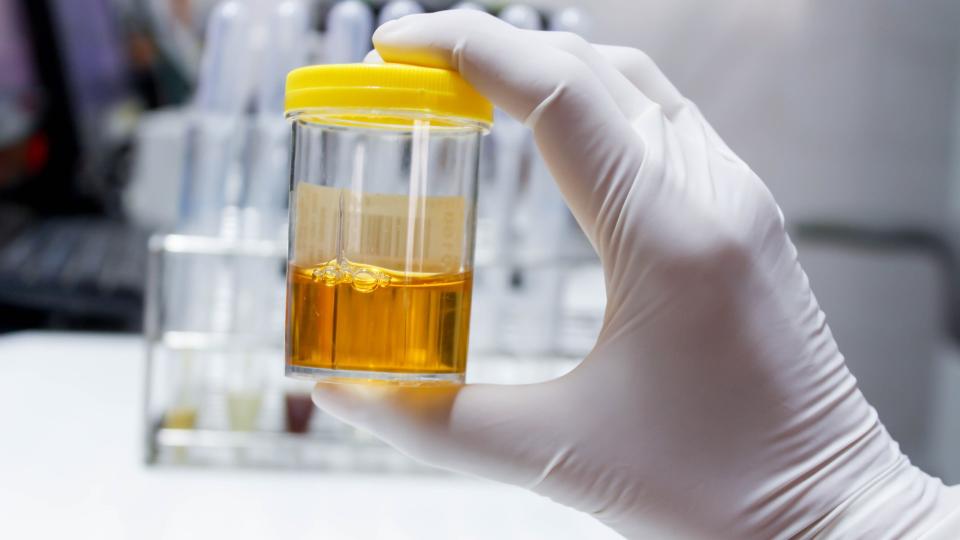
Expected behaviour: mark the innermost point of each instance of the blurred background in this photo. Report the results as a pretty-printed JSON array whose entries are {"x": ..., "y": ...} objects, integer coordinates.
[{"x": 143, "y": 176}]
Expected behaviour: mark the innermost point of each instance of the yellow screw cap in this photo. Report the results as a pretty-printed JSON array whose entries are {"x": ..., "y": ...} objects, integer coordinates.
[{"x": 389, "y": 88}]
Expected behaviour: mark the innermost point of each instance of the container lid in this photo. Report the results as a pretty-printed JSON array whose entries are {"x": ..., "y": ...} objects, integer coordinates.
[{"x": 385, "y": 87}]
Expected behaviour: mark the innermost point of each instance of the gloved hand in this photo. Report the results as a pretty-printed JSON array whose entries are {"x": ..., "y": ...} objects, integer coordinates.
[{"x": 715, "y": 402}]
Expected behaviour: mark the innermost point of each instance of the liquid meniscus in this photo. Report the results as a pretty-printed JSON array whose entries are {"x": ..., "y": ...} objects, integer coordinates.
[{"x": 365, "y": 318}]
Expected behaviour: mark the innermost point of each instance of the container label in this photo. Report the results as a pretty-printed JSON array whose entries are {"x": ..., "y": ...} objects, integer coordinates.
[{"x": 397, "y": 232}]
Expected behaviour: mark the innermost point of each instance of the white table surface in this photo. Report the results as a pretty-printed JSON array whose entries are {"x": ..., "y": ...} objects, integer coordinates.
[{"x": 71, "y": 467}]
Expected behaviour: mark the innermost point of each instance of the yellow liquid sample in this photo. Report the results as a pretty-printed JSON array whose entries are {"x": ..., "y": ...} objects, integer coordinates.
[
  {"x": 365, "y": 318},
  {"x": 243, "y": 408},
  {"x": 180, "y": 417}
]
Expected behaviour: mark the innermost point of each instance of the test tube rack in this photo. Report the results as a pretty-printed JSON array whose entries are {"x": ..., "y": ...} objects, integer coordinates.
[{"x": 197, "y": 337}]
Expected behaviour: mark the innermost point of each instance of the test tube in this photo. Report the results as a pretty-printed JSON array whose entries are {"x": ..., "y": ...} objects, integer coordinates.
[
  {"x": 349, "y": 27},
  {"x": 396, "y": 9},
  {"x": 541, "y": 227},
  {"x": 213, "y": 184},
  {"x": 299, "y": 409},
  {"x": 259, "y": 282},
  {"x": 582, "y": 313},
  {"x": 224, "y": 78},
  {"x": 245, "y": 388},
  {"x": 572, "y": 19},
  {"x": 268, "y": 144},
  {"x": 509, "y": 148},
  {"x": 473, "y": 6},
  {"x": 181, "y": 407},
  {"x": 521, "y": 16},
  {"x": 181, "y": 412},
  {"x": 539, "y": 220},
  {"x": 213, "y": 179},
  {"x": 244, "y": 409},
  {"x": 287, "y": 30}
]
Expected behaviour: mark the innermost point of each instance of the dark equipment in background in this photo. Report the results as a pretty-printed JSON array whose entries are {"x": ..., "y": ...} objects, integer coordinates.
[{"x": 67, "y": 258}]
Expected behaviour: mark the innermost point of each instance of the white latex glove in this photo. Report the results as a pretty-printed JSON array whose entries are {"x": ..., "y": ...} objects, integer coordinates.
[{"x": 715, "y": 403}]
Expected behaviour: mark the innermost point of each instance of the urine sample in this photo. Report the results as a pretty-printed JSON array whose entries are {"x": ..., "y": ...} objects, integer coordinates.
[
  {"x": 180, "y": 417},
  {"x": 383, "y": 213},
  {"x": 243, "y": 408}
]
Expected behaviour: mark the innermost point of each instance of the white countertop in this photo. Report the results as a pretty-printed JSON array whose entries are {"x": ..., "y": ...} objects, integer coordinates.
[{"x": 71, "y": 467}]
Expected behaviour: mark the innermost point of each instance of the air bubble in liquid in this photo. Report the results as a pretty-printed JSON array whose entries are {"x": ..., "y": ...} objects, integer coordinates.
[
  {"x": 365, "y": 280},
  {"x": 329, "y": 274}
]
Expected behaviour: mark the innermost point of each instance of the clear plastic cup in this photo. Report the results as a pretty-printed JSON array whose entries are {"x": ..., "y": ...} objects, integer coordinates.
[{"x": 382, "y": 221}]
